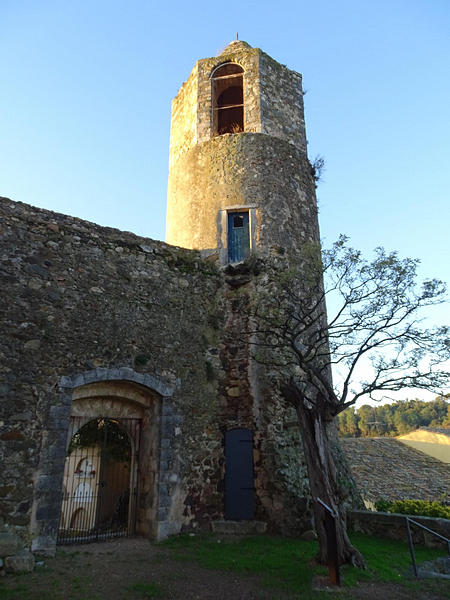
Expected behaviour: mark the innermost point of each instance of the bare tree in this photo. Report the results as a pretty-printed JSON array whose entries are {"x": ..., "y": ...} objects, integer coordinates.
[{"x": 373, "y": 338}]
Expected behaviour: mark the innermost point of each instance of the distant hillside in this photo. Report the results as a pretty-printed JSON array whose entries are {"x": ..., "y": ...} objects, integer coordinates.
[
  {"x": 394, "y": 419},
  {"x": 386, "y": 469},
  {"x": 433, "y": 441}
]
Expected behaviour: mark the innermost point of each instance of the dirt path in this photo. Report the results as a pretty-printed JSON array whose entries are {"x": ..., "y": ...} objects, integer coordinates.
[{"x": 133, "y": 569}]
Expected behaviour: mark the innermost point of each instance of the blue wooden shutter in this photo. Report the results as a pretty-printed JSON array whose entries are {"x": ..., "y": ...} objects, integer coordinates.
[{"x": 238, "y": 236}]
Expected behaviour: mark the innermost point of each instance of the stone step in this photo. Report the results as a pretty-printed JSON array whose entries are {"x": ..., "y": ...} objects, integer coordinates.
[
  {"x": 439, "y": 568},
  {"x": 238, "y": 527}
]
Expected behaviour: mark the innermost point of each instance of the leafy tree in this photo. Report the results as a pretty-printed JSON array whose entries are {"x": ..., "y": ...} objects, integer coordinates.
[
  {"x": 393, "y": 419},
  {"x": 348, "y": 423},
  {"x": 372, "y": 336}
]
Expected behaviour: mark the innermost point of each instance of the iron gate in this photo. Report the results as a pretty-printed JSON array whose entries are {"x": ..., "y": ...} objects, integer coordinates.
[{"x": 100, "y": 488}]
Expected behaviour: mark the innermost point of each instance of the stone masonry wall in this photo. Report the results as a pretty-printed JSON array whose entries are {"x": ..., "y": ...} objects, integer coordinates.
[
  {"x": 282, "y": 110},
  {"x": 242, "y": 170},
  {"x": 78, "y": 298},
  {"x": 183, "y": 128},
  {"x": 83, "y": 304},
  {"x": 393, "y": 527}
]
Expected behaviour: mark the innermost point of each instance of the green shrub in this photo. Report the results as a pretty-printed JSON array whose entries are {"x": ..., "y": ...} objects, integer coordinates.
[{"x": 422, "y": 508}]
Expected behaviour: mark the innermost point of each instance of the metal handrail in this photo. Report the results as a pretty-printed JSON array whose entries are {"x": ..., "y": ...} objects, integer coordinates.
[{"x": 411, "y": 543}]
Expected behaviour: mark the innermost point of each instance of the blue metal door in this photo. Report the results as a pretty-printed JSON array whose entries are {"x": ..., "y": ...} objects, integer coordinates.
[
  {"x": 238, "y": 236},
  {"x": 239, "y": 484}
]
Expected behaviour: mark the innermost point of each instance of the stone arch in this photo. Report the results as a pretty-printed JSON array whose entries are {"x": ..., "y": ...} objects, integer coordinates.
[{"x": 115, "y": 393}]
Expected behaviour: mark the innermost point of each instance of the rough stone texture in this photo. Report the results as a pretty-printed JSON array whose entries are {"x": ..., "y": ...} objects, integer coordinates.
[
  {"x": 22, "y": 562},
  {"x": 264, "y": 171},
  {"x": 98, "y": 322},
  {"x": 184, "y": 127},
  {"x": 393, "y": 526},
  {"x": 104, "y": 307},
  {"x": 439, "y": 568},
  {"x": 237, "y": 528},
  {"x": 9, "y": 543},
  {"x": 265, "y": 168},
  {"x": 238, "y": 171},
  {"x": 385, "y": 469},
  {"x": 95, "y": 299},
  {"x": 282, "y": 111}
]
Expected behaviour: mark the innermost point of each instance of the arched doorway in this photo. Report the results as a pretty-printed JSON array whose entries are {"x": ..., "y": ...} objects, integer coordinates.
[
  {"x": 100, "y": 487},
  {"x": 111, "y": 470}
]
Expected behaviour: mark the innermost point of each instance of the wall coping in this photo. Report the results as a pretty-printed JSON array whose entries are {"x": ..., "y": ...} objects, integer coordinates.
[{"x": 393, "y": 526}]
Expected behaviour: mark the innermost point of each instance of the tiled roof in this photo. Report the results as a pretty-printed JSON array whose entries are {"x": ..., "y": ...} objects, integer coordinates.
[{"x": 384, "y": 468}]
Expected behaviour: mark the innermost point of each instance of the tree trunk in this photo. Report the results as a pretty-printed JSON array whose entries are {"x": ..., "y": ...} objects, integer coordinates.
[{"x": 315, "y": 423}]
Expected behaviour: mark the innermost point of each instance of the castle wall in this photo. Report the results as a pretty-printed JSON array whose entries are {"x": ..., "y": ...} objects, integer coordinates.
[
  {"x": 82, "y": 304},
  {"x": 78, "y": 298}
]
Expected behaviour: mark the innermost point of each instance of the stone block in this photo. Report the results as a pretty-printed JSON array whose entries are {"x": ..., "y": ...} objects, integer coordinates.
[
  {"x": 167, "y": 408},
  {"x": 47, "y": 512},
  {"x": 59, "y": 412},
  {"x": 48, "y": 483},
  {"x": 162, "y": 531},
  {"x": 9, "y": 543},
  {"x": 45, "y": 545},
  {"x": 167, "y": 429},
  {"x": 90, "y": 376},
  {"x": 21, "y": 562},
  {"x": 166, "y": 454},
  {"x": 162, "y": 514},
  {"x": 126, "y": 373},
  {"x": 309, "y": 535},
  {"x": 4, "y": 389},
  {"x": 65, "y": 382},
  {"x": 238, "y": 527}
]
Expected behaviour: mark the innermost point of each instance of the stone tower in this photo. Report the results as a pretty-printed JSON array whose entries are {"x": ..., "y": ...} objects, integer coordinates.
[
  {"x": 240, "y": 182},
  {"x": 239, "y": 177}
]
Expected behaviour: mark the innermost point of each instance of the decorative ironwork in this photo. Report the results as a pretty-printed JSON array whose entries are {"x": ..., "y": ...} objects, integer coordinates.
[{"x": 100, "y": 488}]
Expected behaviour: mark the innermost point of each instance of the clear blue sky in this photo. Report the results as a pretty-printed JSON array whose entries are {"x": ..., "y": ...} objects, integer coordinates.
[{"x": 86, "y": 88}]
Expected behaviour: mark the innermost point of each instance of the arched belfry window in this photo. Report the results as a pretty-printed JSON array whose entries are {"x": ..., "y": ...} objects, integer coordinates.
[{"x": 228, "y": 99}]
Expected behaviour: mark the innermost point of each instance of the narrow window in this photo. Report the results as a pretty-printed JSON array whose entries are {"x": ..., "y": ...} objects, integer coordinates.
[
  {"x": 228, "y": 99},
  {"x": 238, "y": 221}
]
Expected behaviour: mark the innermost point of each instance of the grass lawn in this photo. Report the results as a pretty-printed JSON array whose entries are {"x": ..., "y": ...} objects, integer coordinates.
[
  {"x": 263, "y": 567},
  {"x": 288, "y": 564}
]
